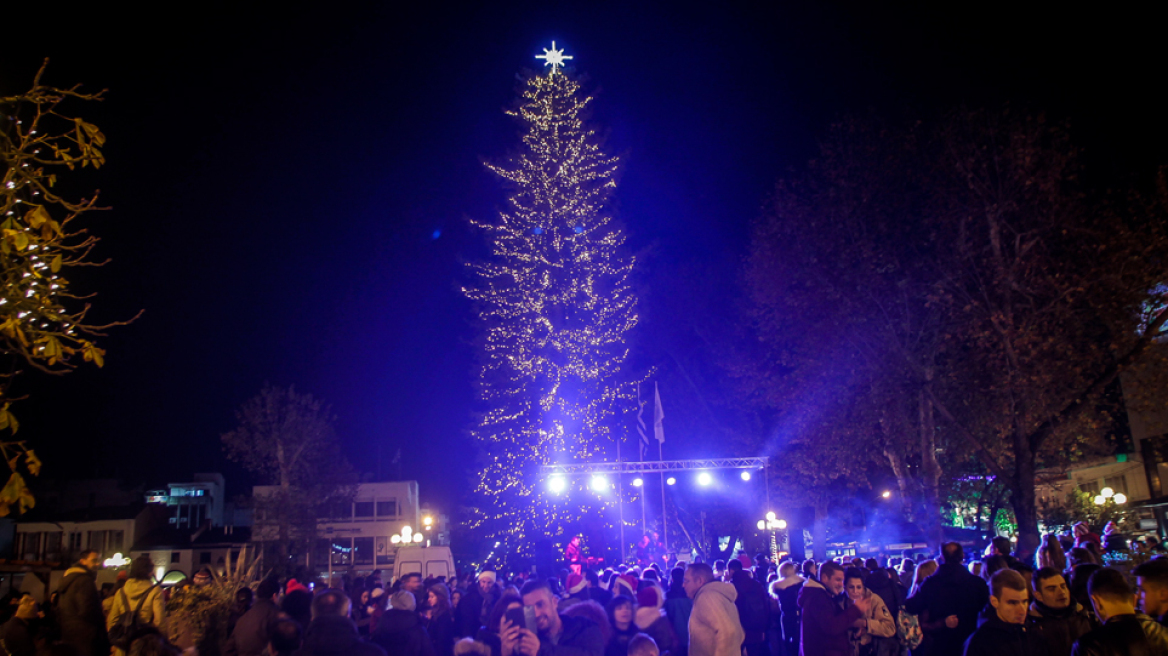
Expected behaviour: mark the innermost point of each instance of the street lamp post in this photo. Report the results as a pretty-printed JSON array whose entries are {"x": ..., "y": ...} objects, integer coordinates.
[
  {"x": 772, "y": 523},
  {"x": 1108, "y": 493}
]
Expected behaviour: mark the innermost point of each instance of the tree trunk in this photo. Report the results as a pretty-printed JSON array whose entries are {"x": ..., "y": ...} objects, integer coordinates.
[
  {"x": 819, "y": 533},
  {"x": 930, "y": 519},
  {"x": 1025, "y": 503}
]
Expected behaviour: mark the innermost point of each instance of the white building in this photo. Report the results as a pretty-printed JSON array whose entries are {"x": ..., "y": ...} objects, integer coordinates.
[
  {"x": 358, "y": 538},
  {"x": 61, "y": 537}
]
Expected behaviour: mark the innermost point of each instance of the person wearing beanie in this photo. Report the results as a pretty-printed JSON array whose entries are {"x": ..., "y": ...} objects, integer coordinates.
[
  {"x": 475, "y": 607},
  {"x": 651, "y": 619},
  {"x": 400, "y": 631}
]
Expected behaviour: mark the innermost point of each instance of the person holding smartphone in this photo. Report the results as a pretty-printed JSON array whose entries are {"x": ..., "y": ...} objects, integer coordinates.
[{"x": 544, "y": 632}]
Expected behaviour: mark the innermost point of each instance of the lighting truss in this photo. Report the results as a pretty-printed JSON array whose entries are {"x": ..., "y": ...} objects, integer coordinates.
[{"x": 652, "y": 467}]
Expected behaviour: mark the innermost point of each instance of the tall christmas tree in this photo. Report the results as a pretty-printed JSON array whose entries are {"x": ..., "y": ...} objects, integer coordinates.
[{"x": 555, "y": 305}]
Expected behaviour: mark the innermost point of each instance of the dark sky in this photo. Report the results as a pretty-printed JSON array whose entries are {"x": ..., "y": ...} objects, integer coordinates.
[{"x": 291, "y": 187}]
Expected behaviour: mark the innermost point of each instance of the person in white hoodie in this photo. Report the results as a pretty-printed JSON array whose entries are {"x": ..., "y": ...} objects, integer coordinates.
[
  {"x": 139, "y": 592},
  {"x": 714, "y": 627}
]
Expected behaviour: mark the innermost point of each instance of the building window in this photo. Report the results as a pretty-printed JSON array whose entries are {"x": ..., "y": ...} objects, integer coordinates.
[
  {"x": 1090, "y": 488},
  {"x": 204, "y": 557},
  {"x": 116, "y": 538},
  {"x": 75, "y": 542},
  {"x": 1118, "y": 484},
  {"x": 387, "y": 508},
  {"x": 362, "y": 551},
  {"x": 175, "y": 557},
  {"x": 363, "y": 509}
]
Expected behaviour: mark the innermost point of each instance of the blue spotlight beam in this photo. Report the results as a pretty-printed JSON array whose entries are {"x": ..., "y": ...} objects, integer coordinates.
[{"x": 652, "y": 467}]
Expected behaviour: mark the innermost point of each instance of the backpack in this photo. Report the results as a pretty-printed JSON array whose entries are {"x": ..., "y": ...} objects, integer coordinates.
[
  {"x": 908, "y": 629},
  {"x": 130, "y": 627}
]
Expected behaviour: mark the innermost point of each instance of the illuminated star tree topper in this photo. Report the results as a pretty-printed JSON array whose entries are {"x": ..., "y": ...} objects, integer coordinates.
[{"x": 554, "y": 58}]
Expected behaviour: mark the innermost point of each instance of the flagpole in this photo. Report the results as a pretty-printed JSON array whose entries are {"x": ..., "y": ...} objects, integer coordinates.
[{"x": 664, "y": 525}]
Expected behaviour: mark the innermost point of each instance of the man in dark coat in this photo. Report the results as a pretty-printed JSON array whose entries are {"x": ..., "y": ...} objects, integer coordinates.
[
  {"x": 1004, "y": 633},
  {"x": 253, "y": 630},
  {"x": 754, "y": 606},
  {"x": 331, "y": 632},
  {"x": 1124, "y": 632},
  {"x": 1058, "y": 619},
  {"x": 827, "y": 614},
  {"x": 16, "y": 636},
  {"x": 79, "y": 613},
  {"x": 400, "y": 631},
  {"x": 950, "y": 592},
  {"x": 556, "y": 635}
]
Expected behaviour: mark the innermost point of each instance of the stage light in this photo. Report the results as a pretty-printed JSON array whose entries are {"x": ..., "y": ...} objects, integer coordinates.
[
  {"x": 745, "y": 475},
  {"x": 599, "y": 483},
  {"x": 670, "y": 481},
  {"x": 638, "y": 482},
  {"x": 704, "y": 478},
  {"x": 557, "y": 484}
]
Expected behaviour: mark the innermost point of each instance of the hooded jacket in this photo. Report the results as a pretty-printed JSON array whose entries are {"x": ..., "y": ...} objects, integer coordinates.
[
  {"x": 714, "y": 628},
  {"x": 333, "y": 635},
  {"x": 400, "y": 632},
  {"x": 825, "y": 623},
  {"x": 1059, "y": 628},
  {"x": 79, "y": 613},
  {"x": 136, "y": 589}
]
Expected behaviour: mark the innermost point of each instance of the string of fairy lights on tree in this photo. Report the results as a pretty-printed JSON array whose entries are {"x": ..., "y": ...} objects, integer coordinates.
[{"x": 555, "y": 305}]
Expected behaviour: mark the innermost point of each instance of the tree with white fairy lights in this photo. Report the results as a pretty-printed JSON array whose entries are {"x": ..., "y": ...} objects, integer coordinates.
[{"x": 555, "y": 305}]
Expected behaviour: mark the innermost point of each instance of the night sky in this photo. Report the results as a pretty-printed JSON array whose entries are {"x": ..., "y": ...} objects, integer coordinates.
[{"x": 290, "y": 187}]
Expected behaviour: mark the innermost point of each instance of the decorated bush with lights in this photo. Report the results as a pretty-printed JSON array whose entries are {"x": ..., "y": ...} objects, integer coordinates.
[{"x": 555, "y": 307}]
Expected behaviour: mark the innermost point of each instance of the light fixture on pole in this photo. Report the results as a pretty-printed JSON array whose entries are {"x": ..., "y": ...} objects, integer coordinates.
[
  {"x": 772, "y": 523},
  {"x": 407, "y": 536}
]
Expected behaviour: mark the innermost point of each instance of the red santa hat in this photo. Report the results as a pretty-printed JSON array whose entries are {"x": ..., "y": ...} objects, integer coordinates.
[
  {"x": 576, "y": 583},
  {"x": 626, "y": 581},
  {"x": 294, "y": 585},
  {"x": 650, "y": 596}
]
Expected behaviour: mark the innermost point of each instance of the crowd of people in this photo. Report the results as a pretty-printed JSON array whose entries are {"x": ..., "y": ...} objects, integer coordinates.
[{"x": 1062, "y": 602}]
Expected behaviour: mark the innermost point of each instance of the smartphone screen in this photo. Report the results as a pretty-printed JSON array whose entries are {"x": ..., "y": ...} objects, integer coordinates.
[
  {"x": 529, "y": 618},
  {"x": 516, "y": 617}
]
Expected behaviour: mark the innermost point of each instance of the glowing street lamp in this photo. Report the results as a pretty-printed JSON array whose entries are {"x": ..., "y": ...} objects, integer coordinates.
[
  {"x": 1100, "y": 499},
  {"x": 428, "y": 521},
  {"x": 407, "y": 536},
  {"x": 1119, "y": 498},
  {"x": 772, "y": 523}
]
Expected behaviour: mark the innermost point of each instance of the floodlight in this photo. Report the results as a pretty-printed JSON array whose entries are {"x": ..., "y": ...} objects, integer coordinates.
[
  {"x": 556, "y": 484},
  {"x": 670, "y": 481},
  {"x": 638, "y": 482},
  {"x": 745, "y": 475},
  {"x": 704, "y": 478},
  {"x": 599, "y": 483}
]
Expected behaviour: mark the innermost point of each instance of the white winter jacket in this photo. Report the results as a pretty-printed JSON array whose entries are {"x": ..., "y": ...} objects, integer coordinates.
[{"x": 714, "y": 627}]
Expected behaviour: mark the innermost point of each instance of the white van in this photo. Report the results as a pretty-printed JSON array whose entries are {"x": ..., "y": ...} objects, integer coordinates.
[{"x": 427, "y": 561}]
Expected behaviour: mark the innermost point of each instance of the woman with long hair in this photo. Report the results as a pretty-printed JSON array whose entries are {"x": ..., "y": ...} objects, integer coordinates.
[
  {"x": 489, "y": 634},
  {"x": 440, "y": 626},
  {"x": 621, "y": 612},
  {"x": 1050, "y": 554}
]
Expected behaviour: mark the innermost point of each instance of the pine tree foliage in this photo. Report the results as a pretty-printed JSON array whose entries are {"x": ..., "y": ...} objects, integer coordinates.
[{"x": 555, "y": 306}]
